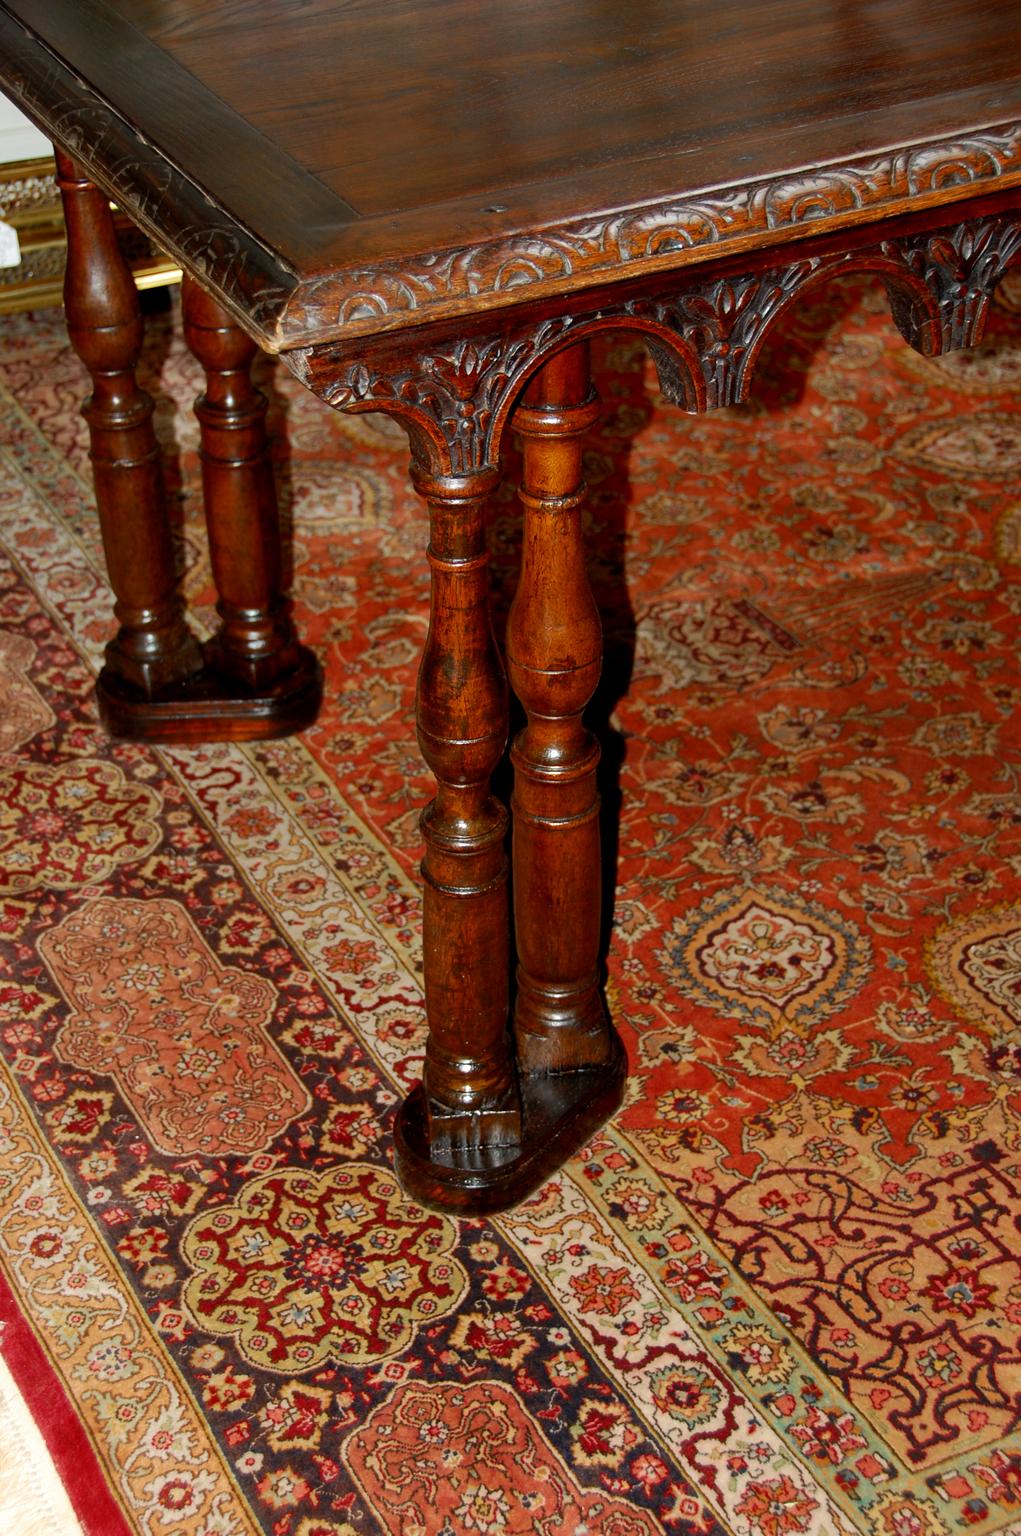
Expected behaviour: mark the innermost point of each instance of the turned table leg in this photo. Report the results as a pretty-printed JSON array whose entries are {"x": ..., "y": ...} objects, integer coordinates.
[
  {"x": 468, "y": 1104},
  {"x": 153, "y": 648},
  {"x": 554, "y": 656},
  {"x": 256, "y": 645}
]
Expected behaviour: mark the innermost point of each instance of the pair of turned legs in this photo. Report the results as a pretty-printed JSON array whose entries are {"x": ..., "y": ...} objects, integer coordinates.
[
  {"x": 497, "y": 1108},
  {"x": 253, "y": 678}
]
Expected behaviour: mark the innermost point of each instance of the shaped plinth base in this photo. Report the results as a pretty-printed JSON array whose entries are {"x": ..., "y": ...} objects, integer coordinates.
[
  {"x": 560, "y": 1112},
  {"x": 212, "y": 707}
]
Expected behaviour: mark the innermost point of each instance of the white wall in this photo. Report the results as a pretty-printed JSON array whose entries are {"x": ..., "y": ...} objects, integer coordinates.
[{"x": 19, "y": 140}]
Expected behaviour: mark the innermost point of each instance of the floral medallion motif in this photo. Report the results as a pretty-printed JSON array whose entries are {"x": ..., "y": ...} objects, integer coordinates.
[
  {"x": 304, "y": 1267},
  {"x": 793, "y": 1055},
  {"x": 184, "y": 1037},
  {"x": 23, "y": 711},
  {"x": 463, "y": 1460},
  {"x": 975, "y": 963},
  {"x": 68, "y": 824},
  {"x": 768, "y": 958}
]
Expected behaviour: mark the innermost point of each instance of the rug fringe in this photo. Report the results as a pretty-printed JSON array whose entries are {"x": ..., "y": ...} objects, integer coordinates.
[{"x": 33, "y": 1500}]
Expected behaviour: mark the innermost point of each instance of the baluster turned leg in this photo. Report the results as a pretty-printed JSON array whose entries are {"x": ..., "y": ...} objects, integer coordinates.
[
  {"x": 554, "y": 656},
  {"x": 153, "y": 648},
  {"x": 477, "y": 1135},
  {"x": 469, "y": 1091},
  {"x": 256, "y": 644}
]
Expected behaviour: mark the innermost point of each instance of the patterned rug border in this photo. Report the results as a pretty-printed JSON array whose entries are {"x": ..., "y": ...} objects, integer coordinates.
[
  {"x": 71, "y": 1451},
  {"x": 175, "y": 1435}
]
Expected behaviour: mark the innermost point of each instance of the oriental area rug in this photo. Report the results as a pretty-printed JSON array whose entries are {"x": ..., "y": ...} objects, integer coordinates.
[{"x": 780, "y": 1293}]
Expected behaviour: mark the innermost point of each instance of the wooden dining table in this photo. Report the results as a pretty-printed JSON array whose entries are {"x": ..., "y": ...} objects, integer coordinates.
[{"x": 428, "y": 208}]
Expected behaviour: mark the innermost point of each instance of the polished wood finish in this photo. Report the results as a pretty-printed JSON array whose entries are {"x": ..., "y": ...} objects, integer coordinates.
[
  {"x": 554, "y": 657},
  {"x": 256, "y": 642},
  {"x": 153, "y": 647},
  {"x": 210, "y": 707},
  {"x": 560, "y": 1112},
  {"x": 431, "y": 217},
  {"x": 253, "y": 679},
  {"x": 469, "y": 1089},
  {"x": 256, "y": 645},
  {"x": 301, "y": 158}
]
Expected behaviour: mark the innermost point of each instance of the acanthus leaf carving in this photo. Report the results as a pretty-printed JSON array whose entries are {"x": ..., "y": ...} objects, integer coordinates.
[
  {"x": 448, "y": 396},
  {"x": 724, "y": 322},
  {"x": 960, "y": 267},
  {"x": 287, "y": 308}
]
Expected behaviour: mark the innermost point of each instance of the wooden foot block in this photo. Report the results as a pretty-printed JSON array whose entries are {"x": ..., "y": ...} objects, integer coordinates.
[
  {"x": 452, "y": 1132},
  {"x": 560, "y": 1112},
  {"x": 212, "y": 707}
]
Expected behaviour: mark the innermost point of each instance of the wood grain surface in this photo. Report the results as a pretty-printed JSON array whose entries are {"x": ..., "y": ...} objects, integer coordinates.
[{"x": 385, "y": 162}]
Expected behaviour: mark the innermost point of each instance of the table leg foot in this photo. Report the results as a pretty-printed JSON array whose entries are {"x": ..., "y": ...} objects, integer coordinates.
[
  {"x": 560, "y": 1113},
  {"x": 212, "y": 707}
]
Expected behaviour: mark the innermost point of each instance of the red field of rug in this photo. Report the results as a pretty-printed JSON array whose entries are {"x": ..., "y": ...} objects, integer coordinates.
[{"x": 780, "y": 1293}]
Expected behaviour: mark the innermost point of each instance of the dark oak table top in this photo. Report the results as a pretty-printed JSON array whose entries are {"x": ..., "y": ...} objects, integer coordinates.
[{"x": 342, "y": 167}]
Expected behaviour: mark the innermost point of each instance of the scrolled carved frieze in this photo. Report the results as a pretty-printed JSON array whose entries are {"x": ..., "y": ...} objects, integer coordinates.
[
  {"x": 455, "y": 398},
  {"x": 329, "y": 295},
  {"x": 705, "y": 334},
  {"x": 959, "y": 267}
]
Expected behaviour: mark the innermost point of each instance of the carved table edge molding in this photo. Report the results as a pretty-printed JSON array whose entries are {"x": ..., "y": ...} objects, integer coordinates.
[
  {"x": 252, "y": 279},
  {"x": 642, "y": 241},
  {"x": 454, "y": 391}
]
